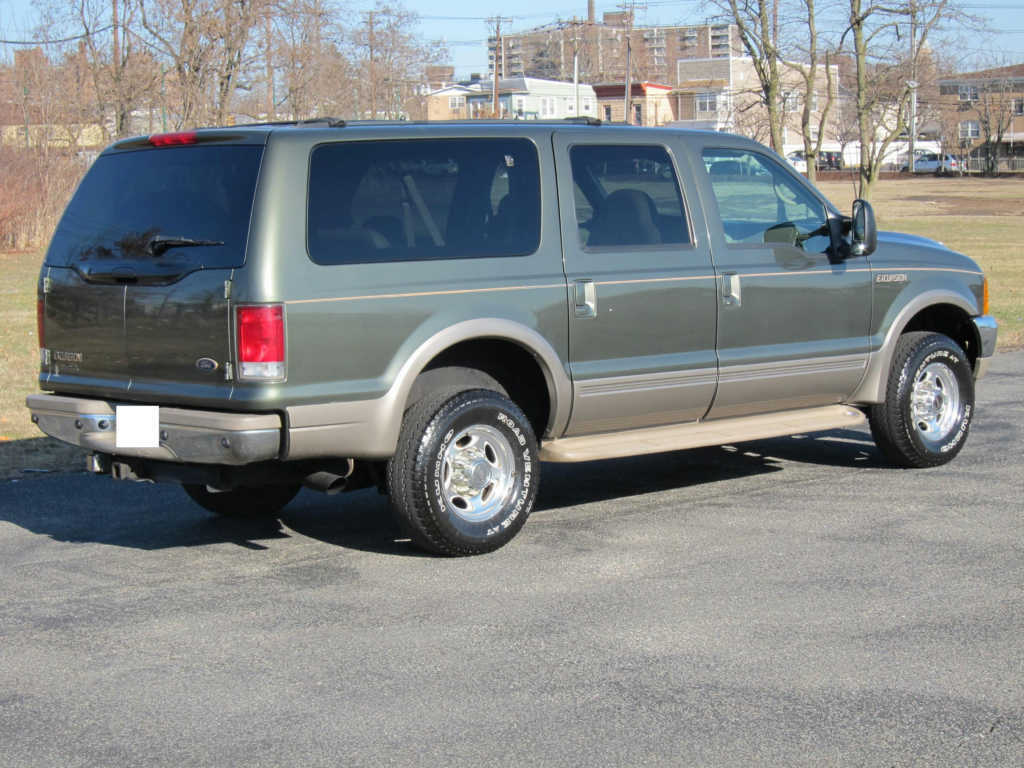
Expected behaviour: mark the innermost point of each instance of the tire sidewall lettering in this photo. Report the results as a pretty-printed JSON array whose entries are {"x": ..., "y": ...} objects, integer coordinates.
[{"x": 954, "y": 362}]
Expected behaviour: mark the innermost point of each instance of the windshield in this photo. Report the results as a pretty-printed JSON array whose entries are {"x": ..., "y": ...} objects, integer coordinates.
[{"x": 175, "y": 206}]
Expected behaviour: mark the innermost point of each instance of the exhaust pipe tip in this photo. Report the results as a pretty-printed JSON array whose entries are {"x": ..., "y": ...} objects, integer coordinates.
[{"x": 329, "y": 482}]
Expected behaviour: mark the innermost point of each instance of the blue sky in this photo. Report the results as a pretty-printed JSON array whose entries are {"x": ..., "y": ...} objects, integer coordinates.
[{"x": 462, "y": 24}]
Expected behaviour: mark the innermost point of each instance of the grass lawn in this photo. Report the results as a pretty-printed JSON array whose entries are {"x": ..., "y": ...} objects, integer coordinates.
[{"x": 979, "y": 217}]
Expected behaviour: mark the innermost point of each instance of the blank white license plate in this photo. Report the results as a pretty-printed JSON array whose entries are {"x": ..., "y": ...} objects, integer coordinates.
[{"x": 138, "y": 426}]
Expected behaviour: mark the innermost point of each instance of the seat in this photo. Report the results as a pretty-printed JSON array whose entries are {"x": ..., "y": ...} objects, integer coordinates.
[{"x": 625, "y": 217}]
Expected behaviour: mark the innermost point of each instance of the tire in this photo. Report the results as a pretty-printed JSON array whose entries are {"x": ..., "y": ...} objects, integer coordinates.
[
  {"x": 245, "y": 501},
  {"x": 464, "y": 476},
  {"x": 929, "y": 402}
]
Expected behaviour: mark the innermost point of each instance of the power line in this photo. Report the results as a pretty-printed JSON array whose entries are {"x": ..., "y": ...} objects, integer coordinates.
[{"x": 58, "y": 40}]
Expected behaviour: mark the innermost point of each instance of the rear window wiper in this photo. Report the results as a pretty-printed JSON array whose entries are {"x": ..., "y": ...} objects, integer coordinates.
[{"x": 159, "y": 245}]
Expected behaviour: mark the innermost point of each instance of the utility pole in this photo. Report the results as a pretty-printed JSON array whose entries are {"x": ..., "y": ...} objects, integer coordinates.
[
  {"x": 497, "y": 70},
  {"x": 629, "y": 6}
]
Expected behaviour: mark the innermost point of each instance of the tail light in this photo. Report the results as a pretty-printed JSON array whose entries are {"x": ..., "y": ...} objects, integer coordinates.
[
  {"x": 41, "y": 322},
  {"x": 261, "y": 342}
]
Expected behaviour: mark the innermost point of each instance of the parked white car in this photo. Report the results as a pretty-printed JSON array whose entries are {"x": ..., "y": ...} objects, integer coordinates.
[
  {"x": 929, "y": 162},
  {"x": 798, "y": 161}
]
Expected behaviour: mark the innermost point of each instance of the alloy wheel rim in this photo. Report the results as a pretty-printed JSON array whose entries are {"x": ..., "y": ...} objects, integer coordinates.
[
  {"x": 935, "y": 402},
  {"x": 478, "y": 473}
]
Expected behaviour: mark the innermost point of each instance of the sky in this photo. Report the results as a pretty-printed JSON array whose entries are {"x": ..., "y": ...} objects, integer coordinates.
[{"x": 463, "y": 25}]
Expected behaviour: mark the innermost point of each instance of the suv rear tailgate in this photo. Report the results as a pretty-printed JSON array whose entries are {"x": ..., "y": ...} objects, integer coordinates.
[{"x": 135, "y": 302}]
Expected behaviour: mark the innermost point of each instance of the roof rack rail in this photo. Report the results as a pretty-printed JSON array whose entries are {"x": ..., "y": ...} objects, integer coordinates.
[
  {"x": 582, "y": 120},
  {"x": 332, "y": 122}
]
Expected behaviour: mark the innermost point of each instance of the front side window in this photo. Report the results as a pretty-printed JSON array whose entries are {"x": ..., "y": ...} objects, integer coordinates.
[
  {"x": 379, "y": 201},
  {"x": 968, "y": 93},
  {"x": 626, "y": 196},
  {"x": 760, "y": 202}
]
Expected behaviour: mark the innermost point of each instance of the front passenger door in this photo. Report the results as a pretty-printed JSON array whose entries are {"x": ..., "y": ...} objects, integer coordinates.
[{"x": 793, "y": 319}]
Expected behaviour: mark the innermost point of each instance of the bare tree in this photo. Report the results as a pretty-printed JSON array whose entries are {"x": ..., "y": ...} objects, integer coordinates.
[
  {"x": 390, "y": 59},
  {"x": 757, "y": 22},
  {"x": 885, "y": 67},
  {"x": 808, "y": 73}
]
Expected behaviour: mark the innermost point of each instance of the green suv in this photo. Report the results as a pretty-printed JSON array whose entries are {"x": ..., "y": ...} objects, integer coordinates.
[{"x": 436, "y": 309}]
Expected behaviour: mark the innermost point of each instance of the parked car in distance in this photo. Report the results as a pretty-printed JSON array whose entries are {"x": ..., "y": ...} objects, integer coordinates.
[
  {"x": 444, "y": 311},
  {"x": 827, "y": 160},
  {"x": 929, "y": 162}
]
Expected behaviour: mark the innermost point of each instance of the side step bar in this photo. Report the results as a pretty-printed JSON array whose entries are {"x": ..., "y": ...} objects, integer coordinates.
[{"x": 698, "y": 434}]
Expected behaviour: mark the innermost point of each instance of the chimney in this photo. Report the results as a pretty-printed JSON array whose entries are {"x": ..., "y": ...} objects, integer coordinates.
[{"x": 590, "y": 11}]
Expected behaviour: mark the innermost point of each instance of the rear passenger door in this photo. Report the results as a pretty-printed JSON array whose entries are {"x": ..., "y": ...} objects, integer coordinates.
[{"x": 642, "y": 296}]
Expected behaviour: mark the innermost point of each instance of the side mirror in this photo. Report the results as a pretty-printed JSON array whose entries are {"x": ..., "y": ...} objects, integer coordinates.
[{"x": 863, "y": 234}]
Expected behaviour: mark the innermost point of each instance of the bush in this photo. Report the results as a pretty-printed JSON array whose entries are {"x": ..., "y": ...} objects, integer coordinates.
[{"x": 35, "y": 185}]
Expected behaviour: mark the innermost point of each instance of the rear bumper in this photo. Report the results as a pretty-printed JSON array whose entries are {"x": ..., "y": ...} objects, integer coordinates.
[{"x": 186, "y": 435}]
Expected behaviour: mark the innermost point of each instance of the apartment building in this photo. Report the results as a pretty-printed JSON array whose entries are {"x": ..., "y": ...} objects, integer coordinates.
[
  {"x": 600, "y": 49},
  {"x": 982, "y": 113}
]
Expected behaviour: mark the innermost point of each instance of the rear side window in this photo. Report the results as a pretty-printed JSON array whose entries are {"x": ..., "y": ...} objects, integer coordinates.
[
  {"x": 380, "y": 201},
  {"x": 626, "y": 196},
  {"x": 202, "y": 193}
]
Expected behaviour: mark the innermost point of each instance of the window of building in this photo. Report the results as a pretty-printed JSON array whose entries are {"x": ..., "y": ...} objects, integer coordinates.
[
  {"x": 626, "y": 196},
  {"x": 456, "y": 102},
  {"x": 968, "y": 93},
  {"x": 414, "y": 200},
  {"x": 638, "y": 115},
  {"x": 547, "y": 106},
  {"x": 607, "y": 113},
  {"x": 586, "y": 106},
  {"x": 1018, "y": 106},
  {"x": 707, "y": 102},
  {"x": 970, "y": 129},
  {"x": 762, "y": 203},
  {"x": 790, "y": 101}
]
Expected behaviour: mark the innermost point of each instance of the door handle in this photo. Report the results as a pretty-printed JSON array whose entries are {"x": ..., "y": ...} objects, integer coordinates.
[
  {"x": 585, "y": 298},
  {"x": 731, "y": 289}
]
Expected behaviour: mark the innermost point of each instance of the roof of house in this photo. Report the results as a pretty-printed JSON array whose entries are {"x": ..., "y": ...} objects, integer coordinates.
[{"x": 1011, "y": 72}]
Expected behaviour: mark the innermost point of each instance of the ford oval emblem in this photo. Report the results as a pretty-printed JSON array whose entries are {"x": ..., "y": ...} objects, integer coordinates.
[{"x": 206, "y": 364}]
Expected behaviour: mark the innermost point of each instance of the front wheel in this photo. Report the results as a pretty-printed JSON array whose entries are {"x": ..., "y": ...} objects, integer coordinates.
[
  {"x": 244, "y": 501},
  {"x": 464, "y": 476},
  {"x": 929, "y": 402}
]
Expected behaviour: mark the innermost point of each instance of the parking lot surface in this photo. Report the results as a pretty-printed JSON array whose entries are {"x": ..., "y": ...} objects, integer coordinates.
[{"x": 785, "y": 602}]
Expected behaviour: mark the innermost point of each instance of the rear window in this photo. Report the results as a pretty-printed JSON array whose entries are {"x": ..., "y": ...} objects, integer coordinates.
[
  {"x": 380, "y": 201},
  {"x": 198, "y": 193}
]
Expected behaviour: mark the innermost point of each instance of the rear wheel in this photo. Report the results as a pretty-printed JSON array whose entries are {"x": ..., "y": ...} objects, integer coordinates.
[
  {"x": 464, "y": 476},
  {"x": 929, "y": 402},
  {"x": 244, "y": 501}
]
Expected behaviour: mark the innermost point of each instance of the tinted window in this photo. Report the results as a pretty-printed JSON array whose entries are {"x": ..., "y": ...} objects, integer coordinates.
[
  {"x": 373, "y": 201},
  {"x": 626, "y": 196},
  {"x": 761, "y": 202},
  {"x": 126, "y": 199}
]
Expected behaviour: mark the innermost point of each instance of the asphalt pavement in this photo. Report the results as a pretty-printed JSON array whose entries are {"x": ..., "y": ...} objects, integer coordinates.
[{"x": 790, "y": 602}]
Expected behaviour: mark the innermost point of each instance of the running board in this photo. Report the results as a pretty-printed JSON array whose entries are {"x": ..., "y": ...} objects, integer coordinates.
[{"x": 698, "y": 434}]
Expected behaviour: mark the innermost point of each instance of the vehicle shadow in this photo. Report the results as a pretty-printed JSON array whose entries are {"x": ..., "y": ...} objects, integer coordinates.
[{"x": 77, "y": 507}]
